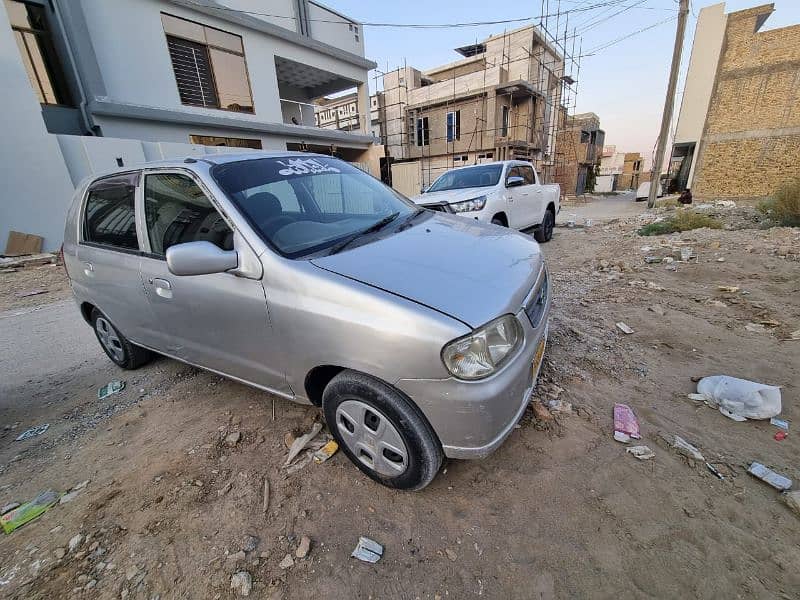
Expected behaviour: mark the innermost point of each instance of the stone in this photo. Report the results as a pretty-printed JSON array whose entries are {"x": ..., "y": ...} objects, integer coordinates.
[
  {"x": 131, "y": 572},
  {"x": 658, "y": 309},
  {"x": 75, "y": 541},
  {"x": 303, "y": 547},
  {"x": 451, "y": 554},
  {"x": 233, "y": 438},
  {"x": 540, "y": 412},
  {"x": 287, "y": 562},
  {"x": 236, "y": 556},
  {"x": 242, "y": 583},
  {"x": 91, "y": 584},
  {"x": 59, "y": 553},
  {"x": 250, "y": 543},
  {"x": 224, "y": 489},
  {"x": 792, "y": 500}
]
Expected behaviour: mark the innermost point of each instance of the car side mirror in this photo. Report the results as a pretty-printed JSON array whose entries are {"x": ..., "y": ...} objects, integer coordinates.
[
  {"x": 515, "y": 181},
  {"x": 422, "y": 190},
  {"x": 200, "y": 258}
]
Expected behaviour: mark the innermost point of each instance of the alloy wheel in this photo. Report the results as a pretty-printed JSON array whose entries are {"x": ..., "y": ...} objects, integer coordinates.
[{"x": 109, "y": 339}]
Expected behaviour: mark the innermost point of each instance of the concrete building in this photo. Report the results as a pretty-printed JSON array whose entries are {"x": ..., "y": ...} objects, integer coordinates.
[
  {"x": 497, "y": 102},
  {"x": 633, "y": 172},
  {"x": 92, "y": 84},
  {"x": 579, "y": 153},
  {"x": 610, "y": 169},
  {"x": 738, "y": 129}
]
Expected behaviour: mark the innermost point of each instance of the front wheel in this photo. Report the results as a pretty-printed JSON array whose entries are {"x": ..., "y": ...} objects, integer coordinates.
[
  {"x": 545, "y": 231},
  {"x": 381, "y": 431}
]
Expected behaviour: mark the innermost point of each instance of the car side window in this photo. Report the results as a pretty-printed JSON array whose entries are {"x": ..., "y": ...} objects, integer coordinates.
[
  {"x": 178, "y": 211},
  {"x": 110, "y": 216},
  {"x": 527, "y": 174},
  {"x": 513, "y": 172}
]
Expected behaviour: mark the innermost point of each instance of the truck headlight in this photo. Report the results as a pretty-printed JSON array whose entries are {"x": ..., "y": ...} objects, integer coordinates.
[
  {"x": 483, "y": 351},
  {"x": 469, "y": 205}
]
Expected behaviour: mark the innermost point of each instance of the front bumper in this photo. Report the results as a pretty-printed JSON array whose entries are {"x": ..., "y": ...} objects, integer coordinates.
[{"x": 473, "y": 418}]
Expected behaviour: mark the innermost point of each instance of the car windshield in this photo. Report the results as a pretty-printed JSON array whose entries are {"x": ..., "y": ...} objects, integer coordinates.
[
  {"x": 304, "y": 205},
  {"x": 467, "y": 177}
]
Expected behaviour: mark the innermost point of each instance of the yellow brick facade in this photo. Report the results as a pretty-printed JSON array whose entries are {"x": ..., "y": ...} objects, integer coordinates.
[{"x": 751, "y": 139}]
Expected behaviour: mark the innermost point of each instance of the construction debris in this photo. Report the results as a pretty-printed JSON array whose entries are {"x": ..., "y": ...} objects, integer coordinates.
[
  {"x": 300, "y": 443},
  {"x": 776, "y": 480},
  {"x": 739, "y": 399},
  {"x": 641, "y": 452},
  {"x": 32, "y": 432},
  {"x": 624, "y": 328},
  {"x": 367, "y": 550}
]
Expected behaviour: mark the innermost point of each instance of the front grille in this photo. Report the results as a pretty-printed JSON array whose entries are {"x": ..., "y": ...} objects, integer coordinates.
[{"x": 537, "y": 304}]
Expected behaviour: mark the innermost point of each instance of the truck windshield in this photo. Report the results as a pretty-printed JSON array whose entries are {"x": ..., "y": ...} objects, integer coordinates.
[
  {"x": 467, "y": 177},
  {"x": 305, "y": 205}
]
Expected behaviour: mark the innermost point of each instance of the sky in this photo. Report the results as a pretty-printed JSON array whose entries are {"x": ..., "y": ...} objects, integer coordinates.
[{"x": 625, "y": 84}]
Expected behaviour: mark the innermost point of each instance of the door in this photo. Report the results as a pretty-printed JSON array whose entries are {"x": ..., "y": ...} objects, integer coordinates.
[
  {"x": 534, "y": 201},
  {"x": 516, "y": 201},
  {"x": 108, "y": 254},
  {"x": 218, "y": 321}
]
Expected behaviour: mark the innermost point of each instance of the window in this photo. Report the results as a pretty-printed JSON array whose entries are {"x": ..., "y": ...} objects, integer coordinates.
[
  {"x": 209, "y": 65},
  {"x": 468, "y": 177},
  {"x": 31, "y": 32},
  {"x": 514, "y": 172},
  {"x": 504, "y": 122},
  {"x": 527, "y": 174},
  {"x": 110, "y": 217},
  {"x": 453, "y": 125},
  {"x": 177, "y": 211},
  {"x": 212, "y": 140},
  {"x": 283, "y": 193},
  {"x": 423, "y": 134}
]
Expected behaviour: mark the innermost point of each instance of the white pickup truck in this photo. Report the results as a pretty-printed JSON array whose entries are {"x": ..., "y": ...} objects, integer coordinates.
[{"x": 506, "y": 193}]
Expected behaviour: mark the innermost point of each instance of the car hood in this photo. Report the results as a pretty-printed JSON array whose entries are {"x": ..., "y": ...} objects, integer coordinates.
[
  {"x": 451, "y": 196},
  {"x": 468, "y": 270}
]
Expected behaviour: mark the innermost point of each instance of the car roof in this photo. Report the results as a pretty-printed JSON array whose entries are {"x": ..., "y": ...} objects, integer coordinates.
[{"x": 212, "y": 159}]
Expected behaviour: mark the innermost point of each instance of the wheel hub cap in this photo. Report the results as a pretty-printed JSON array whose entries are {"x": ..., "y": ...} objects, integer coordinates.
[
  {"x": 109, "y": 338},
  {"x": 372, "y": 438}
]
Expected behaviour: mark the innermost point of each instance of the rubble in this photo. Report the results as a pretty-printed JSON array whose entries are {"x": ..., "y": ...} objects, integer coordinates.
[{"x": 242, "y": 583}]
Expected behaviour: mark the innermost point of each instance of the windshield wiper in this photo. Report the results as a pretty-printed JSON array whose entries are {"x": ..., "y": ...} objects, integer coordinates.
[{"x": 374, "y": 227}]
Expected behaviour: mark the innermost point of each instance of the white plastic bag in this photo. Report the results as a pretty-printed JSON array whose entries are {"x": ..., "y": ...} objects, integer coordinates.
[{"x": 739, "y": 399}]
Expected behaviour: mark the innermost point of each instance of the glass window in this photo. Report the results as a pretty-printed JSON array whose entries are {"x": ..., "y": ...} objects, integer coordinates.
[
  {"x": 110, "y": 217},
  {"x": 336, "y": 201},
  {"x": 177, "y": 211},
  {"x": 527, "y": 174},
  {"x": 34, "y": 41},
  {"x": 213, "y": 140},
  {"x": 423, "y": 134},
  {"x": 209, "y": 65},
  {"x": 504, "y": 121},
  {"x": 453, "y": 125},
  {"x": 513, "y": 172},
  {"x": 467, "y": 177}
]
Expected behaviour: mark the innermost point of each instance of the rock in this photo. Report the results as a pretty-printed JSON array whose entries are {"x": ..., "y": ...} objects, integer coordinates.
[
  {"x": 287, "y": 562},
  {"x": 224, "y": 490},
  {"x": 242, "y": 583},
  {"x": 198, "y": 483},
  {"x": 81, "y": 485},
  {"x": 540, "y": 412},
  {"x": 658, "y": 309},
  {"x": 91, "y": 584},
  {"x": 94, "y": 546},
  {"x": 237, "y": 556},
  {"x": 303, "y": 547},
  {"x": 288, "y": 439},
  {"x": 82, "y": 578},
  {"x": 75, "y": 541},
  {"x": 233, "y": 438},
  {"x": 250, "y": 543},
  {"x": 792, "y": 500},
  {"x": 59, "y": 553},
  {"x": 131, "y": 572},
  {"x": 451, "y": 555}
]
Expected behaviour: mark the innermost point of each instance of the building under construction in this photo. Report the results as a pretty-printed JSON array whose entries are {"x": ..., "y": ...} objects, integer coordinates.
[{"x": 500, "y": 101}]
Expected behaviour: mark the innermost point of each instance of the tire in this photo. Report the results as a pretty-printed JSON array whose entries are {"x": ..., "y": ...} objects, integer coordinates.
[
  {"x": 116, "y": 346},
  {"x": 365, "y": 414},
  {"x": 545, "y": 231},
  {"x": 497, "y": 221}
]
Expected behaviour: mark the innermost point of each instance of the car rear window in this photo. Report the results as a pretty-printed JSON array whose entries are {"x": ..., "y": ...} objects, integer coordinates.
[{"x": 110, "y": 216}]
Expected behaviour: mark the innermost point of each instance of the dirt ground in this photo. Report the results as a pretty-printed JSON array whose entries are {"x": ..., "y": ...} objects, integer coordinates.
[
  {"x": 559, "y": 511},
  {"x": 32, "y": 286}
]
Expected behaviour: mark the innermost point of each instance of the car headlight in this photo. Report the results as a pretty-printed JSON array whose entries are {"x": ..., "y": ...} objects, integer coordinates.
[
  {"x": 483, "y": 351},
  {"x": 469, "y": 205}
]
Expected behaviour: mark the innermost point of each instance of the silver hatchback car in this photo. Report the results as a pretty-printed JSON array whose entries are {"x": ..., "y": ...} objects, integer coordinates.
[{"x": 419, "y": 334}]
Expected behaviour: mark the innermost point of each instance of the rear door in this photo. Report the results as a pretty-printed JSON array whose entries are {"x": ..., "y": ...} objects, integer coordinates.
[
  {"x": 218, "y": 321},
  {"x": 534, "y": 200},
  {"x": 515, "y": 196},
  {"x": 108, "y": 253}
]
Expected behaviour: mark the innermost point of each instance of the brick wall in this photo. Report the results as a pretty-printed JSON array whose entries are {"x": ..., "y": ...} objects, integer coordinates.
[{"x": 751, "y": 141}]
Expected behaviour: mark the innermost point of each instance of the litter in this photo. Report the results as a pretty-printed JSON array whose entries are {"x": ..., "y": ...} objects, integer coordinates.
[
  {"x": 780, "y": 436},
  {"x": 624, "y": 328},
  {"x": 302, "y": 442},
  {"x": 265, "y": 504},
  {"x": 8, "y": 507},
  {"x": 112, "y": 387},
  {"x": 650, "y": 260},
  {"x": 780, "y": 423},
  {"x": 32, "y": 432},
  {"x": 730, "y": 289},
  {"x": 324, "y": 453},
  {"x": 29, "y": 511},
  {"x": 368, "y": 550},
  {"x": 31, "y": 293},
  {"x": 684, "y": 448},
  {"x": 795, "y": 335},
  {"x": 714, "y": 470},
  {"x": 740, "y": 399},
  {"x": 640, "y": 452},
  {"x": 625, "y": 422},
  {"x": 779, "y": 482}
]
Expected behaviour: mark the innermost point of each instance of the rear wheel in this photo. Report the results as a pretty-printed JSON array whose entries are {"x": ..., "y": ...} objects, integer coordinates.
[
  {"x": 545, "y": 231},
  {"x": 116, "y": 346},
  {"x": 381, "y": 431}
]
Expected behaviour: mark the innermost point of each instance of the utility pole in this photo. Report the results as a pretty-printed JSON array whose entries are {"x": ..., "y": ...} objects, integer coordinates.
[{"x": 666, "y": 118}]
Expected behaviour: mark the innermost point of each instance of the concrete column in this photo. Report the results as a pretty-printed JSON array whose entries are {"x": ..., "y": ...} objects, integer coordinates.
[{"x": 364, "y": 118}]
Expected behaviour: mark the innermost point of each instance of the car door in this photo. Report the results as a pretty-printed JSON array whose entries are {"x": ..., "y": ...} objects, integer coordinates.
[
  {"x": 515, "y": 200},
  {"x": 218, "y": 321},
  {"x": 533, "y": 197},
  {"x": 108, "y": 253}
]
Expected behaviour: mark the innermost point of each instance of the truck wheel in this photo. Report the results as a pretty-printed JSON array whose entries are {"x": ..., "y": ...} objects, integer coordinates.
[
  {"x": 498, "y": 221},
  {"x": 116, "y": 346},
  {"x": 545, "y": 231},
  {"x": 381, "y": 431}
]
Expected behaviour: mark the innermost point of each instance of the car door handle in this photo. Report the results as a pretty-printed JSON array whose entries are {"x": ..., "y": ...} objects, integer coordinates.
[
  {"x": 88, "y": 269},
  {"x": 163, "y": 287}
]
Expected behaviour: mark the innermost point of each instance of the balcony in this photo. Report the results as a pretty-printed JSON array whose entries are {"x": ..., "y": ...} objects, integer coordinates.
[{"x": 460, "y": 87}]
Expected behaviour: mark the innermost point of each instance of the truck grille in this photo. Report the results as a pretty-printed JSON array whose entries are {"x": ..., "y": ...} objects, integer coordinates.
[{"x": 537, "y": 304}]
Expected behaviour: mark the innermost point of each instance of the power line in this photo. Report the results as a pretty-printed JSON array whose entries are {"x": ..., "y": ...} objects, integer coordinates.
[
  {"x": 415, "y": 25},
  {"x": 597, "y": 49}
]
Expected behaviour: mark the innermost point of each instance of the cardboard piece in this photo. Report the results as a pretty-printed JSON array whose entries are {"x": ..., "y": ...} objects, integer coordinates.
[{"x": 23, "y": 243}]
